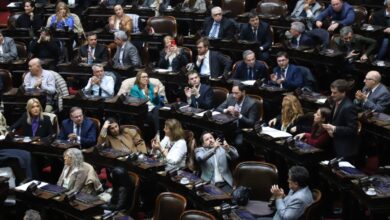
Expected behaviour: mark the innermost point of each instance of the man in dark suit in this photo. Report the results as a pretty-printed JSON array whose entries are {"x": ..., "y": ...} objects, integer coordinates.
[
  {"x": 285, "y": 75},
  {"x": 126, "y": 54},
  {"x": 299, "y": 38},
  {"x": 374, "y": 96},
  {"x": 382, "y": 18},
  {"x": 78, "y": 129},
  {"x": 250, "y": 68},
  {"x": 342, "y": 126},
  {"x": 199, "y": 95},
  {"x": 93, "y": 52},
  {"x": 218, "y": 26},
  {"x": 260, "y": 32},
  {"x": 211, "y": 63}
]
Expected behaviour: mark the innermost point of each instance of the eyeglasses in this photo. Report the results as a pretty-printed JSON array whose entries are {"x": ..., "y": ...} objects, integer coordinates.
[
  {"x": 369, "y": 79},
  {"x": 217, "y": 14}
]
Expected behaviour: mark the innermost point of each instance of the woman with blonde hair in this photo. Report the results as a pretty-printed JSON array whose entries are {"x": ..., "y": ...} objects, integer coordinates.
[
  {"x": 33, "y": 123},
  {"x": 120, "y": 21},
  {"x": 62, "y": 18},
  {"x": 172, "y": 57},
  {"x": 292, "y": 119},
  {"x": 173, "y": 146}
]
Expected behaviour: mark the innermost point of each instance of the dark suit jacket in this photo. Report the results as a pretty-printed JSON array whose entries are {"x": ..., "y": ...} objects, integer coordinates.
[
  {"x": 178, "y": 62},
  {"x": 294, "y": 78},
  {"x": 264, "y": 35},
  {"x": 359, "y": 43},
  {"x": 46, "y": 50},
  {"x": 249, "y": 110},
  {"x": 45, "y": 128},
  {"x": 87, "y": 133},
  {"x": 101, "y": 53},
  {"x": 219, "y": 64},
  {"x": 205, "y": 100},
  {"x": 377, "y": 101},
  {"x": 24, "y": 21},
  {"x": 227, "y": 28},
  {"x": 379, "y": 18},
  {"x": 304, "y": 41},
  {"x": 303, "y": 124},
  {"x": 259, "y": 71},
  {"x": 345, "y": 135},
  {"x": 131, "y": 56}
]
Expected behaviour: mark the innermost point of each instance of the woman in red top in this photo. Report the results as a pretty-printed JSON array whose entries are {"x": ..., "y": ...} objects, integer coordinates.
[{"x": 318, "y": 137}]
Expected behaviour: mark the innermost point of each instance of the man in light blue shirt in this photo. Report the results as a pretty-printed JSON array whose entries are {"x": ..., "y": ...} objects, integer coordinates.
[{"x": 100, "y": 84}]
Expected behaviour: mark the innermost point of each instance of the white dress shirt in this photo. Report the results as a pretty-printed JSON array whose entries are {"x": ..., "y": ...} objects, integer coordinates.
[
  {"x": 205, "y": 69},
  {"x": 177, "y": 152},
  {"x": 106, "y": 86}
]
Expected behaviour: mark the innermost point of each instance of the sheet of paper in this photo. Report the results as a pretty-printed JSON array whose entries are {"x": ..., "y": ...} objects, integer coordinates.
[
  {"x": 162, "y": 70},
  {"x": 275, "y": 133},
  {"x": 165, "y": 108},
  {"x": 23, "y": 187},
  {"x": 345, "y": 164},
  {"x": 185, "y": 106},
  {"x": 216, "y": 113},
  {"x": 321, "y": 101},
  {"x": 248, "y": 82},
  {"x": 200, "y": 114}
]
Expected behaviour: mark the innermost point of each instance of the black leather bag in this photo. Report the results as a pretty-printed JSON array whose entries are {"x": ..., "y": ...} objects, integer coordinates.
[{"x": 241, "y": 195}]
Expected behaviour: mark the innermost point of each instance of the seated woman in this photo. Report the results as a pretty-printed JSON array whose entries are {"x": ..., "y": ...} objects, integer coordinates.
[
  {"x": 62, "y": 19},
  {"x": 318, "y": 136},
  {"x": 33, "y": 123},
  {"x": 120, "y": 21},
  {"x": 172, "y": 57},
  {"x": 145, "y": 90},
  {"x": 194, "y": 5},
  {"x": 30, "y": 19},
  {"x": 78, "y": 176},
  {"x": 291, "y": 120},
  {"x": 123, "y": 139},
  {"x": 121, "y": 190},
  {"x": 45, "y": 47},
  {"x": 172, "y": 147}
]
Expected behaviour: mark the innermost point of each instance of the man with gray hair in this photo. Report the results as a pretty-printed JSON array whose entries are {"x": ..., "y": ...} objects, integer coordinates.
[
  {"x": 299, "y": 38},
  {"x": 374, "y": 96},
  {"x": 218, "y": 26},
  {"x": 354, "y": 45},
  {"x": 249, "y": 68},
  {"x": 126, "y": 55},
  {"x": 100, "y": 84}
]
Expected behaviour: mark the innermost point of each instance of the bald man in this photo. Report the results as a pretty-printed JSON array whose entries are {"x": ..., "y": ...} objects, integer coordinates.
[
  {"x": 374, "y": 96},
  {"x": 341, "y": 13},
  {"x": 218, "y": 26}
]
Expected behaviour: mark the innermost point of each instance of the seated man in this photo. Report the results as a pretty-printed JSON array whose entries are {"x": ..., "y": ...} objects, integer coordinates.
[
  {"x": 213, "y": 156},
  {"x": 46, "y": 47},
  {"x": 285, "y": 75},
  {"x": 260, "y": 32},
  {"x": 293, "y": 205},
  {"x": 199, "y": 95},
  {"x": 92, "y": 52},
  {"x": 8, "y": 51},
  {"x": 218, "y": 26},
  {"x": 381, "y": 18},
  {"x": 78, "y": 129},
  {"x": 39, "y": 78},
  {"x": 298, "y": 36},
  {"x": 339, "y": 12},
  {"x": 374, "y": 96},
  {"x": 211, "y": 63},
  {"x": 100, "y": 84},
  {"x": 122, "y": 139},
  {"x": 250, "y": 68},
  {"x": 126, "y": 55},
  {"x": 354, "y": 45},
  {"x": 307, "y": 9}
]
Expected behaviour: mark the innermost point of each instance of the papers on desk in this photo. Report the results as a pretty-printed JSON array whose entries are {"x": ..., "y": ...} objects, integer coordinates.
[
  {"x": 165, "y": 108},
  {"x": 274, "y": 133},
  {"x": 23, "y": 187},
  {"x": 162, "y": 70},
  {"x": 202, "y": 113},
  {"x": 248, "y": 82},
  {"x": 321, "y": 101}
]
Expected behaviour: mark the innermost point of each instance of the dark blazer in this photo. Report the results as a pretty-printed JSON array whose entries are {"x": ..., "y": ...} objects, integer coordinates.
[
  {"x": 304, "y": 41},
  {"x": 379, "y": 18},
  {"x": 294, "y": 77},
  {"x": 345, "y": 135},
  {"x": 46, "y": 50},
  {"x": 205, "y": 100},
  {"x": 131, "y": 56},
  {"x": 377, "y": 101},
  {"x": 249, "y": 110},
  {"x": 264, "y": 35},
  {"x": 45, "y": 128},
  {"x": 227, "y": 28},
  {"x": 259, "y": 71},
  {"x": 87, "y": 133},
  {"x": 24, "y": 21},
  {"x": 358, "y": 43},
  {"x": 178, "y": 62},
  {"x": 101, "y": 53},
  {"x": 303, "y": 124},
  {"x": 219, "y": 64},
  {"x": 345, "y": 17}
]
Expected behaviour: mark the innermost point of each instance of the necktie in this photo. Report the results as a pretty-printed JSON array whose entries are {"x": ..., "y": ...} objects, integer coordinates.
[
  {"x": 255, "y": 34},
  {"x": 250, "y": 73},
  {"x": 368, "y": 92},
  {"x": 78, "y": 130},
  {"x": 282, "y": 73},
  {"x": 214, "y": 30},
  {"x": 335, "y": 109},
  {"x": 90, "y": 55}
]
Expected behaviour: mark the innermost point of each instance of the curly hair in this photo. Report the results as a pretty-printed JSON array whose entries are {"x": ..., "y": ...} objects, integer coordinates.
[
  {"x": 291, "y": 110},
  {"x": 76, "y": 155}
]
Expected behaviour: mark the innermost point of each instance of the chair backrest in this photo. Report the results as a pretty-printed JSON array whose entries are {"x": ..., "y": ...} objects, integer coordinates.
[
  {"x": 111, "y": 47},
  {"x": 135, "y": 21},
  {"x": 272, "y": 9},
  {"x": 12, "y": 20},
  {"x": 220, "y": 95},
  {"x": 236, "y": 7},
  {"x": 308, "y": 78},
  {"x": 22, "y": 50},
  {"x": 312, "y": 212},
  {"x": 117, "y": 79},
  {"x": 259, "y": 101},
  {"x": 188, "y": 53},
  {"x": 191, "y": 145},
  {"x": 249, "y": 173},
  {"x": 361, "y": 15},
  {"x": 54, "y": 121},
  {"x": 96, "y": 122},
  {"x": 163, "y": 25},
  {"x": 135, "y": 194},
  {"x": 196, "y": 215},
  {"x": 7, "y": 80},
  {"x": 169, "y": 206}
]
